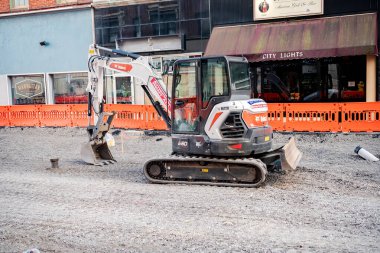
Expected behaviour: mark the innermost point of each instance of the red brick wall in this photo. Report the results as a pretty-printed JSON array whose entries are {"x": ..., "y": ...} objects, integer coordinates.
[
  {"x": 4, "y": 6},
  {"x": 39, "y": 4}
]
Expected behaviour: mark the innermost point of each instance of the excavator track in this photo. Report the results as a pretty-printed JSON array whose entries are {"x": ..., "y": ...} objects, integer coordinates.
[{"x": 203, "y": 170}]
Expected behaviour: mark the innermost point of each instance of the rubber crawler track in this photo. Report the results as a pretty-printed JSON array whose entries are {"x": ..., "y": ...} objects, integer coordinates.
[{"x": 255, "y": 163}]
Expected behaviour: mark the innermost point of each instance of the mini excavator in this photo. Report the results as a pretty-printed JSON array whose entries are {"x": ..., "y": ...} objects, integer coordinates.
[{"x": 220, "y": 134}]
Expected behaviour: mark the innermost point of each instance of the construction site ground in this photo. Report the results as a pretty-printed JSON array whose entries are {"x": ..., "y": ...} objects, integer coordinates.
[{"x": 331, "y": 203}]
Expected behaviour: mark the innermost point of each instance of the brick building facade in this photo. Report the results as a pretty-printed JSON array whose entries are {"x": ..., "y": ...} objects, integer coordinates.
[{"x": 16, "y": 6}]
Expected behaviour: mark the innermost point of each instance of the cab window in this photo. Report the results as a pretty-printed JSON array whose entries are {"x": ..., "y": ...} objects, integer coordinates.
[
  {"x": 214, "y": 79},
  {"x": 240, "y": 75}
]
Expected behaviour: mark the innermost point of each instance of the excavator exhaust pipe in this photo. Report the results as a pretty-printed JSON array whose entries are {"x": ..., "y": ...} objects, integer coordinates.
[{"x": 96, "y": 150}]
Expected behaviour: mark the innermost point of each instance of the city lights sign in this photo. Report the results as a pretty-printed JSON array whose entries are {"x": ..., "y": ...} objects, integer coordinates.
[
  {"x": 270, "y": 9},
  {"x": 28, "y": 88}
]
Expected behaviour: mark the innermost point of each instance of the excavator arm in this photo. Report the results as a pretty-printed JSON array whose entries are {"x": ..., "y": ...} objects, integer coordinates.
[
  {"x": 138, "y": 67},
  {"x": 96, "y": 151}
]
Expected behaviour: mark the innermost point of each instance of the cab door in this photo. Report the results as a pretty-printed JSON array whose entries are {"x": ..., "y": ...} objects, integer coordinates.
[{"x": 185, "y": 90}]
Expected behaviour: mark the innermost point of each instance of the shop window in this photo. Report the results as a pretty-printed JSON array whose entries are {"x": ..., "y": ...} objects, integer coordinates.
[
  {"x": 123, "y": 90},
  {"x": 28, "y": 89},
  {"x": 19, "y": 4},
  {"x": 70, "y": 88},
  {"x": 312, "y": 80},
  {"x": 66, "y": 1}
]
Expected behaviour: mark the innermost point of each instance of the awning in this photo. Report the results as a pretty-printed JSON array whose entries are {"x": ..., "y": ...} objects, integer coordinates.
[{"x": 315, "y": 38}]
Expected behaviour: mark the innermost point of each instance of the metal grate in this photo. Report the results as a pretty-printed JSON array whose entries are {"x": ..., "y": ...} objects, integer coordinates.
[{"x": 233, "y": 127}]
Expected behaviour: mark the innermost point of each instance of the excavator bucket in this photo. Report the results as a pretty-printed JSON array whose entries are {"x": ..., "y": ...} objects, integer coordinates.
[
  {"x": 96, "y": 150},
  {"x": 285, "y": 158},
  {"x": 97, "y": 154}
]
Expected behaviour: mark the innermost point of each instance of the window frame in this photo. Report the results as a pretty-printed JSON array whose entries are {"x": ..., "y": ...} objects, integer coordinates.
[
  {"x": 13, "y": 6},
  {"x": 26, "y": 76}
]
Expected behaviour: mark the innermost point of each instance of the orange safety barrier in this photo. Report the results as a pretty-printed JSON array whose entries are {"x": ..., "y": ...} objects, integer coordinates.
[
  {"x": 276, "y": 114},
  {"x": 4, "y": 116},
  {"x": 312, "y": 117},
  {"x": 136, "y": 117},
  {"x": 154, "y": 121},
  {"x": 361, "y": 117},
  {"x": 79, "y": 115},
  {"x": 55, "y": 115},
  {"x": 24, "y": 115}
]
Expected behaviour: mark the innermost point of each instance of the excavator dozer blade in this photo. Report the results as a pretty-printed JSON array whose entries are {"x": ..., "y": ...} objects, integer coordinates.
[
  {"x": 287, "y": 156},
  {"x": 97, "y": 154},
  {"x": 291, "y": 156}
]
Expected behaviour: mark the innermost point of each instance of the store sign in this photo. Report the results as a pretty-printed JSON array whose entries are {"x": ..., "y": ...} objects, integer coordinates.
[
  {"x": 282, "y": 56},
  {"x": 270, "y": 9},
  {"x": 29, "y": 88}
]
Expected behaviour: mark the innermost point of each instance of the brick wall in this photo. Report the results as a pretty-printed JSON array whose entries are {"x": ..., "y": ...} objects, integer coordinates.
[
  {"x": 4, "y": 6},
  {"x": 40, "y": 4}
]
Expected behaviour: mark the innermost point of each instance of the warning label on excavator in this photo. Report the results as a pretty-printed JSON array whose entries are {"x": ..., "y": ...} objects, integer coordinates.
[{"x": 161, "y": 92}]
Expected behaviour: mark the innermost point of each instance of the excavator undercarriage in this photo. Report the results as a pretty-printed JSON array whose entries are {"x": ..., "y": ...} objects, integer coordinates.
[{"x": 222, "y": 171}]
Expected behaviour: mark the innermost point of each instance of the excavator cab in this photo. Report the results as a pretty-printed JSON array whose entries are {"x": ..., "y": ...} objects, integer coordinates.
[{"x": 209, "y": 95}]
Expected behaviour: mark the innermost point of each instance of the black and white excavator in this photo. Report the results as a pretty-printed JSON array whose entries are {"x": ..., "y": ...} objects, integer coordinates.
[{"x": 220, "y": 134}]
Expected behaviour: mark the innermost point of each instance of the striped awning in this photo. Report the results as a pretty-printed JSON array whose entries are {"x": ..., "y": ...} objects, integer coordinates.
[{"x": 314, "y": 38}]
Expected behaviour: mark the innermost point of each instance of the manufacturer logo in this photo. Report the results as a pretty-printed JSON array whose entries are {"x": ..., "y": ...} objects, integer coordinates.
[
  {"x": 254, "y": 101},
  {"x": 121, "y": 67}
]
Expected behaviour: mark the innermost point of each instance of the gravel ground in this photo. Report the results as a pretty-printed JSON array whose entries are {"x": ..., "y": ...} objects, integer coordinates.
[{"x": 331, "y": 203}]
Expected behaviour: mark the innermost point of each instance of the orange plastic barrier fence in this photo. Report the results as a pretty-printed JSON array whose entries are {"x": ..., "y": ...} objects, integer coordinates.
[
  {"x": 313, "y": 117},
  {"x": 79, "y": 115},
  {"x": 55, "y": 115},
  {"x": 24, "y": 115},
  {"x": 276, "y": 114},
  {"x": 4, "y": 116},
  {"x": 310, "y": 117},
  {"x": 361, "y": 117},
  {"x": 136, "y": 117}
]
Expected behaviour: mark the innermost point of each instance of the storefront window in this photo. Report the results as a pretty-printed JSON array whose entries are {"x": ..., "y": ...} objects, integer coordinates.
[
  {"x": 123, "y": 90},
  {"x": 70, "y": 88},
  {"x": 28, "y": 89},
  {"x": 312, "y": 80}
]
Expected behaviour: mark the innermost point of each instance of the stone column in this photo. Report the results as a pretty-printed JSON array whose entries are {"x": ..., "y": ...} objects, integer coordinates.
[{"x": 371, "y": 79}]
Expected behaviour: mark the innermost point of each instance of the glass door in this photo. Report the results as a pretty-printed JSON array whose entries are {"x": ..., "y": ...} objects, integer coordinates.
[{"x": 185, "y": 118}]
